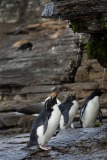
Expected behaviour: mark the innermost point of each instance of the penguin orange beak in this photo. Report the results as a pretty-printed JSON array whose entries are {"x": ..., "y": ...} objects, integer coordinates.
[{"x": 54, "y": 94}]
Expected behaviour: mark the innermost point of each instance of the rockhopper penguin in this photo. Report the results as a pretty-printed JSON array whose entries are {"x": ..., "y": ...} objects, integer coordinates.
[
  {"x": 45, "y": 124},
  {"x": 90, "y": 109},
  {"x": 69, "y": 110}
]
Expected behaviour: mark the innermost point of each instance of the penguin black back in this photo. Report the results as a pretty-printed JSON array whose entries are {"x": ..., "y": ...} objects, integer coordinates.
[
  {"x": 96, "y": 92},
  {"x": 24, "y": 46},
  {"x": 70, "y": 98}
]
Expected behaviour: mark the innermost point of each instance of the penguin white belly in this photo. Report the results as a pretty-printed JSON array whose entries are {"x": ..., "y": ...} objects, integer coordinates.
[
  {"x": 41, "y": 137},
  {"x": 58, "y": 102},
  {"x": 62, "y": 122},
  {"x": 52, "y": 126},
  {"x": 73, "y": 111},
  {"x": 91, "y": 112}
]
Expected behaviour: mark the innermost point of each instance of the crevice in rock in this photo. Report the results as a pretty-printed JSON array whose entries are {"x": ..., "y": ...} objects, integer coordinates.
[{"x": 70, "y": 77}]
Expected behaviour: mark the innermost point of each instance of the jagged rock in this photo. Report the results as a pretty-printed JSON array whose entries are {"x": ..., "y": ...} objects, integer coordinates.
[
  {"x": 19, "y": 11},
  {"x": 26, "y": 78},
  {"x": 82, "y": 75},
  {"x": 33, "y": 109},
  {"x": 86, "y": 13},
  {"x": 83, "y": 144},
  {"x": 82, "y": 86},
  {"x": 13, "y": 122},
  {"x": 45, "y": 64},
  {"x": 27, "y": 107}
]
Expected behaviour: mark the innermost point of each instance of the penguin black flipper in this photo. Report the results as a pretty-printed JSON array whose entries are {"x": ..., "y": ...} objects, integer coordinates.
[
  {"x": 81, "y": 123},
  {"x": 66, "y": 117},
  {"x": 82, "y": 112},
  {"x": 44, "y": 120},
  {"x": 83, "y": 108},
  {"x": 65, "y": 111},
  {"x": 45, "y": 123},
  {"x": 100, "y": 115}
]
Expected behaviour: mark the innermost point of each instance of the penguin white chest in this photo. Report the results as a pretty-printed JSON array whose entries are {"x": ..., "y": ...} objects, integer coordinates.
[
  {"x": 73, "y": 110},
  {"x": 91, "y": 112},
  {"x": 53, "y": 121},
  {"x": 52, "y": 126}
]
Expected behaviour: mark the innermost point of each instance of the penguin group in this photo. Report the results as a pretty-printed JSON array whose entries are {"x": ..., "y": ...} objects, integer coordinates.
[{"x": 61, "y": 115}]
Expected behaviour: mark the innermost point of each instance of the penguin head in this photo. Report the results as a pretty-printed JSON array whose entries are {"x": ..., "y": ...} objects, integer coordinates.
[
  {"x": 71, "y": 97},
  {"x": 97, "y": 92},
  {"x": 49, "y": 103},
  {"x": 55, "y": 92}
]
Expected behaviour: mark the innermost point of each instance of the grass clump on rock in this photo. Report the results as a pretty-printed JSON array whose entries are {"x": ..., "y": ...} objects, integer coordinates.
[
  {"x": 97, "y": 49},
  {"x": 78, "y": 26}
]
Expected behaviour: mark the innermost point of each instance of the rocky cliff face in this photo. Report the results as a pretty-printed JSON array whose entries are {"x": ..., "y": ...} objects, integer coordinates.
[
  {"x": 19, "y": 11},
  {"x": 28, "y": 77},
  {"x": 84, "y": 17}
]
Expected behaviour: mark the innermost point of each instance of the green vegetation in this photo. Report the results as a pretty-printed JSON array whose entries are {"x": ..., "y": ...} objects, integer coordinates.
[
  {"x": 97, "y": 50},
  {"x": 104, "y": 22},
  {"x": 78, "y": 26},
  {"x": 98, "y": 124}
]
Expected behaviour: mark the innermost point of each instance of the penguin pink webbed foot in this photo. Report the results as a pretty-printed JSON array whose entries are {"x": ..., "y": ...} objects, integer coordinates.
[{"x": 45, "y": 148}]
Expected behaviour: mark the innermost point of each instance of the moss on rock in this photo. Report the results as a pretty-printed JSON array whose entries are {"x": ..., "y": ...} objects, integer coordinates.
[
  {"x": 97, "y": 49},
  {"x": 78, "y": 26}
]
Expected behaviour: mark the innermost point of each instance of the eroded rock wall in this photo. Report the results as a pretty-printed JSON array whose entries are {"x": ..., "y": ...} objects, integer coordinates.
[
  {"x": 28, "y": 77},
  {"x": 19, "y": 11}
]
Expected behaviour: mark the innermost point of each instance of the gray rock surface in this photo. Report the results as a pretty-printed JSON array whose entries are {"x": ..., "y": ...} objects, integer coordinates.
[
  {"x": 28, "y": 77},
  {"x": 83, "y": 144},
  {"x": 19, "y": 11},
  {"x": 49, "y": 60},
  {"x": 89, "y": 12},
  {"x": 14, "y": 122}
]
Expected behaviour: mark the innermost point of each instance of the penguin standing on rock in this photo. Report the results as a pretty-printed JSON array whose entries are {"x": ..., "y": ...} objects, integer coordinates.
[
  {"x": 68, "y": 109},
  {"x": 45, "y": 124},
  {"x": 91, "y": 109}
]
